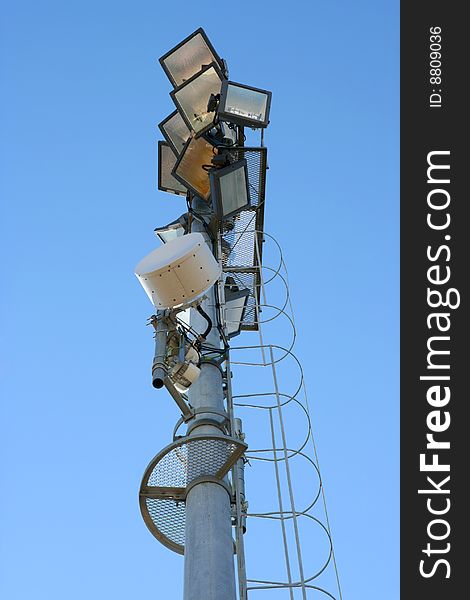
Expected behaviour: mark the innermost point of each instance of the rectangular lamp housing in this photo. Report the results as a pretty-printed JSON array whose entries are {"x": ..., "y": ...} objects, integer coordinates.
[
  {"x": 191, "y": 168},
  {"x": 230, "y": 191},
  {"x": 166, "y": 164},
  {"x": 191, "y": 98},
  {"x": 172, "y": 230},
  {"x": 189, "y": 57},
  {"x": 244, "y": 105},
  {"x": 235, "y": 306},
  {"x": 175, "y": 131}
]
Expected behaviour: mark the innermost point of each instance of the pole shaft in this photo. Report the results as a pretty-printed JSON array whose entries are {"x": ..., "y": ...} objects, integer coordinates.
[
  {"x": 159, "y": 370},
  {"x": 209, "y": 572}
]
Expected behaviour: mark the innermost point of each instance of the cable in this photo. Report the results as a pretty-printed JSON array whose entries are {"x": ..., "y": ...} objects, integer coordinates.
[
  {"x": 203, "y": 313},
  {"x": 199, "y": 218}
]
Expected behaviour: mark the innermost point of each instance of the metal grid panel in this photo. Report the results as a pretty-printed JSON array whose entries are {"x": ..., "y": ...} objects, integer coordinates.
[
  {"x": 241, "y": 259},
  {"x": 241, "y": 241},
  {"x": 248, "y": 279},
  {"x": 256, "y": 162},
  {"x": 192, "y": 459},
  {"x": 169, "y": 517}
]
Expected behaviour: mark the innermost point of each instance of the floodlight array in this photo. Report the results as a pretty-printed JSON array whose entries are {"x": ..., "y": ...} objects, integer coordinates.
[
  {"x": 203, "y": 155},
  {"x": 211, "y": 262}
]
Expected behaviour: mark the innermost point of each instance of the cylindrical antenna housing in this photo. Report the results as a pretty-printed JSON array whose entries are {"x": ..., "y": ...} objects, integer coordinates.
[{"x": 178, "y": 272}]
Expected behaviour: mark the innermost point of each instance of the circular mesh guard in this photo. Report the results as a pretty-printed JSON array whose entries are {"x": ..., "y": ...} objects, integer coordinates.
[
  {"x": 169, "y": 518},
  {"x": 163, "y": 486}
]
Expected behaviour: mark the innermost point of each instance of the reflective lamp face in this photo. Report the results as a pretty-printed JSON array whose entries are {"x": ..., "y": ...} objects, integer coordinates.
[
  {"x": 235, "y": 305},
  {"x": 189, "y": 168},
  {"x": 229, "y": 189},
  {"x": 170, "y": 232},
  {"x": 175, "y": 131},
  {"x": 244, "y": 105},
  {"x": 189, "y": 57},
  {"x": 166, "y": 163},
  {"x": 192, "y": 97}
]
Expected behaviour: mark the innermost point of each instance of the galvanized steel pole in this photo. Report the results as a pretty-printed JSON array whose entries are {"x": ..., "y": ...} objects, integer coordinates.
[{"x": 209, "y": 572}]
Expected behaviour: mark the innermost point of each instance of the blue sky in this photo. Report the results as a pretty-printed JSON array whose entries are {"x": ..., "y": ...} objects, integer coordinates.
[{"x": 82, "y": 93}]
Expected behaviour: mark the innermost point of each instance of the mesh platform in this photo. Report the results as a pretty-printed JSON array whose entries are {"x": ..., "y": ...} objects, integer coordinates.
[
  {"x": 242, "y": 260},
  {"x": 163, "y": 489}
]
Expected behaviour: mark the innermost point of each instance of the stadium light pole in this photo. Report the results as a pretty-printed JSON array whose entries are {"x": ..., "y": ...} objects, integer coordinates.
[
  {"x": 186, "y": 498},
  {"x": 208, "y": 555}
]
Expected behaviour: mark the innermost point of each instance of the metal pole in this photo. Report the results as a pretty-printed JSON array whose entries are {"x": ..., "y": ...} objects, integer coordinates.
[
  {"x": 209, "y": 572},
  {"x": 159, "y": 370}
]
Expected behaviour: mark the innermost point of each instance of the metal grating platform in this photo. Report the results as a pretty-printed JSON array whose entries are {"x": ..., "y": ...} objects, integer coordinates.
[
  {"x": 256, "y": 158},
  {"x": 242, "y": 261},
  {"x": 163, "y": 489}
]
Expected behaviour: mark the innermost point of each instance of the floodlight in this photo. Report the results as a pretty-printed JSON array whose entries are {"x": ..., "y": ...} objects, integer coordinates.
[
  {"x": 191, "y": 98},
  {"x": 192, "y": 164},
  {"x": 172, "y": 230},
  {"x": 178, "y": 272},
  {"x": 229, "y": 189},
  {"x": 244, "y": 105},
  {"x": 166, "y": 163},
  {"x": 175, "y": 131},
  {"x": 189, "y": 57},
  {"x": 235, "y": 305}
]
